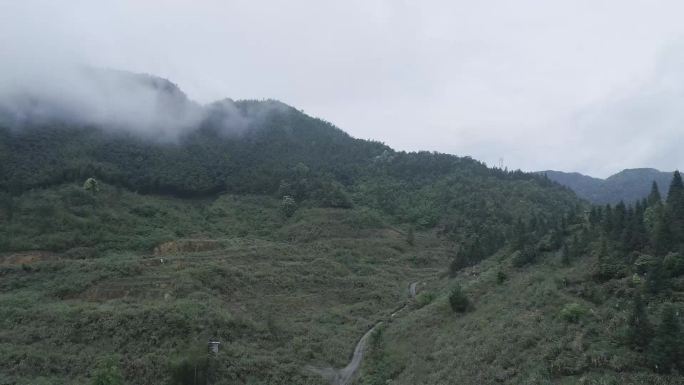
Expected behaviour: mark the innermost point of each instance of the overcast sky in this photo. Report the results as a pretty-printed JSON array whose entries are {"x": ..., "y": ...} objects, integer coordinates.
[{"x": 591, "y": 86}]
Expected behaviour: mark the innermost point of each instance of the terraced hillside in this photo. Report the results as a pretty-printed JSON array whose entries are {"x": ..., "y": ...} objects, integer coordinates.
[{"x": 275, "y": 304}]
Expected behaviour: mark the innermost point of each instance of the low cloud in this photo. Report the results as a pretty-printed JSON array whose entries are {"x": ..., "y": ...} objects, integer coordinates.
[{"x": 145, "y": 105}]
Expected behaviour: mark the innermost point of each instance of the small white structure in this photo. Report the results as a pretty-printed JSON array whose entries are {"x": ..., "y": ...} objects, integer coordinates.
[{"x": 214, "y": 346}]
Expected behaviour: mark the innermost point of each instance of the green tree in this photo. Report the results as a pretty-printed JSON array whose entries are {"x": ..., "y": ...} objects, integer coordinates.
[
  {"x": 656, "y": 281},
  {"x": 501, "y": 277},
  {"x": 458, "y": 300},
  {"x": 651, "y": 220},
  {"x": 675, "y": 208},
  {"x": 675, "y": 195},
  {"x": 664, "y": 237},
  {"x": 91, "y": 185},
  {"x": 639, "y": 330},
  {"x": 332, "y": 194},
  {"x": 288, "y": 206},
  {"x": 654, "y": 197},
  {"x": 666, "y": 351}
]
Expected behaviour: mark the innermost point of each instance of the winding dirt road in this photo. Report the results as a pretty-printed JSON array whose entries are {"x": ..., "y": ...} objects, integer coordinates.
[{"x": 344, "y": 376}]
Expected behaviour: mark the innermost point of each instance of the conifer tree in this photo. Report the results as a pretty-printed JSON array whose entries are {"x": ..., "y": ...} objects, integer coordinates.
[
  {"x": 594, "y": 215},
  {"x": 458, "y": 300},
  {"x": 639, "y": 329},
  {"x": 676, "y": 192},
  {"x": 663, "y": 237},
  {"x": 675, "y": 208},
  {"x": 666, "y": 352},
  {"x": 656, "y": 280},
  {"x": 654, "y": 197},
  {"x": 619, "y": 219},
  {"x": 607, "y": 221}
]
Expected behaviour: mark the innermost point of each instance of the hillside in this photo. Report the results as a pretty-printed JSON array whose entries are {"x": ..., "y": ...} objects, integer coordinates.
[
  {"x": 122, "y": 253},
  {"x": 627, "y": 185},
  {"x": 603, "y": 309},
  {"x": 274, "y": 232}
]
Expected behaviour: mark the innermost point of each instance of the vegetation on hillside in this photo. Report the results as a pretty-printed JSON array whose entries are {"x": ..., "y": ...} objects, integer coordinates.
[
  {"x": 602, "y": 306},
  {"x": 122, "y": 256}
]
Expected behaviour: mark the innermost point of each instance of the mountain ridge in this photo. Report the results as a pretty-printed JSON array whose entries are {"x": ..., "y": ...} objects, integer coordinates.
[{"x": 627, "y": 185}]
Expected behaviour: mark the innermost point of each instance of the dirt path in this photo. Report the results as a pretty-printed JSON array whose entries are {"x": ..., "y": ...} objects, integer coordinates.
[
  {"x": 344, "y": 376},
  {"x": 412, "y": 289}
]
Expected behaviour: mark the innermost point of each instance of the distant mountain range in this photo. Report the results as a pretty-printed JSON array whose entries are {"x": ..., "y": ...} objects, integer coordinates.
[{"x": 627, "y": 185}]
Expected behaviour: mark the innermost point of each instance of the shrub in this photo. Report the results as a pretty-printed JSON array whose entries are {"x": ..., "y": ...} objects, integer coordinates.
[
  {"x": 639, "y": 331},
  {"x": 501, "y": 277},
  {"x": 665, "y": 351},
  {"x": 107, "y": 373},
  {"x": 288, "y": 206},
  {"x": 673, "y": 263},
  {"x": 192, "y": 369},
  {"x": 573, "y": 312},
  {"x": 457, "y": 263},
  {"x": 424, "y": 298},
  {"x": 332, "y": 194},
  {"x": 458, "y": 300},
  {"x": 643, "y": 263},
  {"x": 91, "y": 185},
  {"x": 523, "y": 257}
]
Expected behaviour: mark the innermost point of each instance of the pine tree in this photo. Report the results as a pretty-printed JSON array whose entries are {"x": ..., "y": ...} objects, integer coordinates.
[
  {"x": 619, "y": 220},
  {"x": 638, "y": 232},
  {"x": 594, "y": 216},
  {"x": 663, "y": 237},
  {"x": 676, "y": 192},
  {"x": 654, "y": 197},
  {"x": 639, "y": 329},
  {"x": 458, "y": 300},
  {"x": 665, "y": 352},
  {"x": 607, "y": 221},
  {"x": 675, "y": 207},
  {"x": 656, "y": 280},
  {"x": 603, "y": 269}
]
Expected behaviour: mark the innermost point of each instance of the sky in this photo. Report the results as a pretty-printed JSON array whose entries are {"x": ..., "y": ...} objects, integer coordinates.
[{"x": 592, "y": 86}]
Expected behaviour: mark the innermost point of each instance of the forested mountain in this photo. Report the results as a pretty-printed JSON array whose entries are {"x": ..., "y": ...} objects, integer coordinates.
[
  {"x": 125, "y": 247},
  {"x": 628, "y": 185},
  {"x": 267, "y": 147}
]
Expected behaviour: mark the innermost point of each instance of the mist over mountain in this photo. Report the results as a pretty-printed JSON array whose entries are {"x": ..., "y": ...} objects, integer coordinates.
[
  {"x": 628, "y": 185},
  {"x": 147, "y": 106}
]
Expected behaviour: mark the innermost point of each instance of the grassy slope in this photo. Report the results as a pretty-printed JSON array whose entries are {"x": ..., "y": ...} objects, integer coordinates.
[
  {"x": 515, "y": 333},
  {"x": 279, "y": 293}
]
